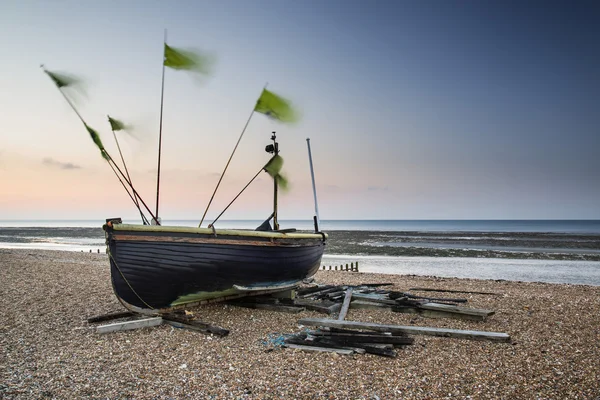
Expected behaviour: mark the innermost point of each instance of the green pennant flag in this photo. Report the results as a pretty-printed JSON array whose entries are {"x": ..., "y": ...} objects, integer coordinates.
[
  {"x": 188, "y": 60},
  {"x": 275, "y": 107},
  {"x": 117, "y": 125},
  {"x": 96, "y": 138},
  {"x": 62, "y": 80},
  {"x": 273, "y": 168},
  {"x": 66, "y": 81}
]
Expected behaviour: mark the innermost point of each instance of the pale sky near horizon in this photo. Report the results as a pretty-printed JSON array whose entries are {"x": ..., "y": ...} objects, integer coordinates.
[{"x": 415, "y": 110}]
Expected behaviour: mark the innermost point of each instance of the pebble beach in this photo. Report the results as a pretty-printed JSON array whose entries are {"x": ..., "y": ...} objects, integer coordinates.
[{"x": 49, "y": 350}]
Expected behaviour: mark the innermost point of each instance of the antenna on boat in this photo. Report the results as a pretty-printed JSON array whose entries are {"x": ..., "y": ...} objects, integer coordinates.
[
  {"x": 162, "y": 94},
  {"x": 274, "y": 149},
  {"x": 312, "y": 175}
]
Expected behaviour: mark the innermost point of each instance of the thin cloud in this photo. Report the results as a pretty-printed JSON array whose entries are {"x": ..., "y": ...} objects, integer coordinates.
[
  {"x": 62, "y": 165},
  {"x": 378, "y": 188}
]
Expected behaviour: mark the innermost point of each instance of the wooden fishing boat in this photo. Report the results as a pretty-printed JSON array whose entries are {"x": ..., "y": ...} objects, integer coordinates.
[{"x": 154, "y": 268}]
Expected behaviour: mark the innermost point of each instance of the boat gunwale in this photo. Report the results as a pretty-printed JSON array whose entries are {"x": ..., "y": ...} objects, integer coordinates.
[{"x": 210, "y": 231}]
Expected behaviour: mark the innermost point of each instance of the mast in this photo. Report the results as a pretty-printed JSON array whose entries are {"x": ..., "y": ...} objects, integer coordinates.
[
  {"x": 162, "y": 93},
  {"x": 312, "y": 175},
  {"x": 275, "y": 152}
]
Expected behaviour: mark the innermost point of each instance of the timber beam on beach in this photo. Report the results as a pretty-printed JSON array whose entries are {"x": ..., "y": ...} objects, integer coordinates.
[
  {"x": 371, "y": 296},
  {"x": 349, "y": 341},
  {"x": 110, "y": 316},
  {"x": 129, "y": 325},
  {"x": 415, "y": 330},
  {"x": 187, "y": 323}
]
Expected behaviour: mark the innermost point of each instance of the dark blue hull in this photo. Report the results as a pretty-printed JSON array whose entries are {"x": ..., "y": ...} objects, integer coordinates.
[{"x": 157, "y": 268}]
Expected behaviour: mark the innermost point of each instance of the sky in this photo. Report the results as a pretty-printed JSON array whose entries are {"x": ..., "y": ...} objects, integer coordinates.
[{"x": 414, "y": 109}]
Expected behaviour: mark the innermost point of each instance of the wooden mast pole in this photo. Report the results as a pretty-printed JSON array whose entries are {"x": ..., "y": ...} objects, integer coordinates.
[
  {"x": 276, "y": 151},
  {"x": 162, "y": 93}
]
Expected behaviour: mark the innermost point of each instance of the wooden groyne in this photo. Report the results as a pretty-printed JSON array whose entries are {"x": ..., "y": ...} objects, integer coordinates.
[{"x": 352, "y": 267}]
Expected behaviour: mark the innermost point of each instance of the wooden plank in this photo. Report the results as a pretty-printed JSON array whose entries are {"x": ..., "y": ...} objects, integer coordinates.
[
  {"x": 128, "y": 325},
  {"x": 302, "y": 292},
  {"x": 375, "y": 298},
  {"x": 347, "y": 338},
  {"x": 437, "y": 314},
  {"x": 335, "y": 308},
  {"x": 215, "y": 330},
  {"x": 111, "y": 316},
  {"x": 345, "y": 304},
  {"x": 456, "y": 309},
  {"x": 313, "y": 306},
  {"x": 270, "y": 307},
  {"x": 452, "y": 291},
  {"x": 363, "y": 304},
  {"x": 396, "y": 295},
  {"x": 185, "y": 323},
  {"x": 320, "y": 349},
  {"x": 415, "y": 330},
  {"x": 322, "y": 342},
  {"x": 321, "y": 292}
]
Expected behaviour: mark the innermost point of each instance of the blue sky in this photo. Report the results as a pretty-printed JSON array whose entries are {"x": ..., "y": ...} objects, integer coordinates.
[{"x": 415, "y": 110}]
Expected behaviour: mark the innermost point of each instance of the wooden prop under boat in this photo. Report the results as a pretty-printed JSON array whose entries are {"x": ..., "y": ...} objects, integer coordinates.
[{"x": 157, "y": 268}]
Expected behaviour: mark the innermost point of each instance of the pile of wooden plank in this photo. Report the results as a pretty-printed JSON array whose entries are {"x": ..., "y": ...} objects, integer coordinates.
[
  {"x": 347, "y": 341},
  {"x": 329, "y": 298}
]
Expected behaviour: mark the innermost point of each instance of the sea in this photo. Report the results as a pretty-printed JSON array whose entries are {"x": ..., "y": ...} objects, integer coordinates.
[{"x": 554, "y": 251}]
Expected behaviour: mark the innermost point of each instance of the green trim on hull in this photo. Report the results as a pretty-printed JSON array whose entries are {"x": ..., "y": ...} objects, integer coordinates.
[
  {"x": 192, "y": 297},
  {"x": 218, "y": 232}
]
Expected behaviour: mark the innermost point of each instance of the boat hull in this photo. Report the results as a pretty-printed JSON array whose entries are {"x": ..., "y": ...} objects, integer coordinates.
[{"x": 156, "y": 268}]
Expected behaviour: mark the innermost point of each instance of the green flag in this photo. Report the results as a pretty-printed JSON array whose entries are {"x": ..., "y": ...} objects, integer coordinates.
[
  {"x": 96, "y": 138},
  {"x": 117, "y": 125},
  {"x": 188, "y": 60},
  {"x": 67, "y": 81},
  {"x": 275, "y": 107},
  {"x": 62, "y": 80},
  {"x": 273, "y": 168}
]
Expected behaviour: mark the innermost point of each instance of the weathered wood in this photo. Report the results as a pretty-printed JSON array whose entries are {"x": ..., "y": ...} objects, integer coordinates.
[
  {"x": 416, "y": 330},
  {"x": 109, "y": 317},
  {"x": 395, "y": 295},
  {"x": 198, "y": 327},
  {"x": 437, "y": 314},
  {"x": 321, "y": 342},
  {"x": 452, "y": 291},
  {"x": 313, "y": 306},
  {"x": 378, "y": 350},
  {"x": 128, "y": 325},
  {"x": 320, "y": 349},
  {"x": 374, "y": 298},
  {"x": 304, "y": 291},
  {"x": 332, "y": 295},
  {"x": 345, "y": 304},
  {"x": 321, "y": 292},
  {"x": 456, "y": 309},
  {"x": 335, "y": 308},
  {"x": 362, "y": 304},
  {"x": 364, "y": 338},
  {"x": 194, "y": 325}
]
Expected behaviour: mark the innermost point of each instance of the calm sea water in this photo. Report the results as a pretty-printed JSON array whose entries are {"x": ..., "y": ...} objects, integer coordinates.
[
  {"x": 562, "y": 251},
  {"x": 556, "y": 226}
]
